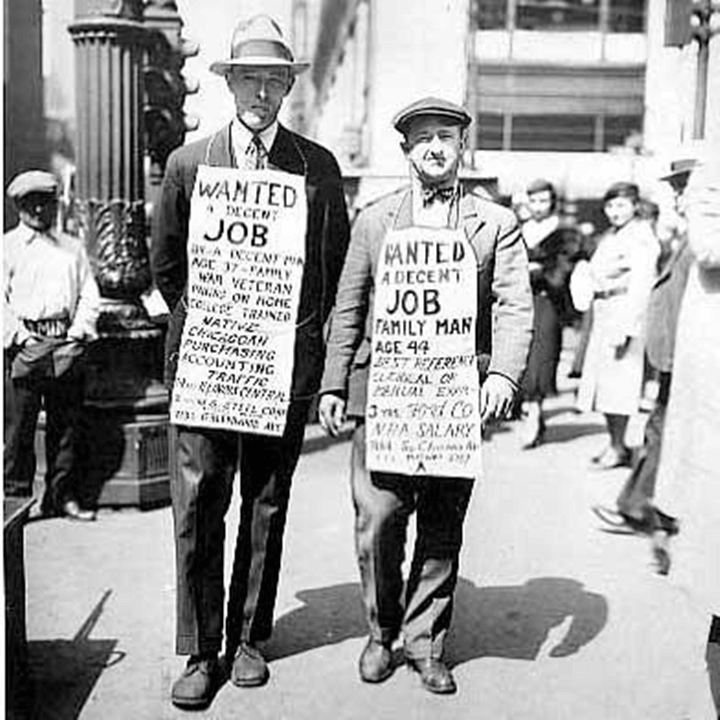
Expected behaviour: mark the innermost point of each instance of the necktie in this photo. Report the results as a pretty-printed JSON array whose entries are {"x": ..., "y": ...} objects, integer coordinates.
[
  {"x": 255, "y": 154},
  {"x": 432, "y": 194}
]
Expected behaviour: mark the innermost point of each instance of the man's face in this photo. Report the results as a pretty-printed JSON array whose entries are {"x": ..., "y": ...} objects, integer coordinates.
[
  {"x": 38, "y": 210},
  {"x": 434, "y": 146},
  {"x": 259, "y": 93},
  {"x": 540, "y": 204}
]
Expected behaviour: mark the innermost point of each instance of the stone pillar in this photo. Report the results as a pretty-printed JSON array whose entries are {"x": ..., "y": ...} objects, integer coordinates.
[{"x": 126, "y": 403}]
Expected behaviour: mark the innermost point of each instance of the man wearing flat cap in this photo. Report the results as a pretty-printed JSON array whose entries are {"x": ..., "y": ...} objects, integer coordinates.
[
  {"x": 428, "y": 340},
  {"x": 248, "y": 243},
  {"x": 51, "y": 305}
]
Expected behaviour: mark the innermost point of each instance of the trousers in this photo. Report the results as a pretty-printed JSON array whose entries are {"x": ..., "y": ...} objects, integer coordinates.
[
  {"x": 62, "y": 398},
  {"x": 201, "y": 485},
  {"x": 383, "y": 504},
  {"x": 639, "y": 489}
]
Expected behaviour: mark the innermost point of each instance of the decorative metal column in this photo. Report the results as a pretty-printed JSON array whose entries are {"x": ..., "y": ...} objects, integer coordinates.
[
  {"x": 109, "y": 39},
  {"x": 126, "y": 402}
]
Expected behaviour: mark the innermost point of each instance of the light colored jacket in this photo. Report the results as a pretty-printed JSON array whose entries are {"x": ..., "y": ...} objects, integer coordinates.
[{"x": 505, "y": 314}]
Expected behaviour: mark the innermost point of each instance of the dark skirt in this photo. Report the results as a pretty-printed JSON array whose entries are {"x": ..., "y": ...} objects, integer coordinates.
[{"x": 539, "y": 380}]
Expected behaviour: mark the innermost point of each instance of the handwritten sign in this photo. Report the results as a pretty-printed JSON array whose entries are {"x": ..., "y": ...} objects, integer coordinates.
[
  {"x": 423, "y": 415},
  {"x": 246, "y": 252}
]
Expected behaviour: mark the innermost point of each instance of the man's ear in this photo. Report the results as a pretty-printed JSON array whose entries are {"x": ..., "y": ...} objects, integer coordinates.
[
  {"x": 291, "y": 82},
  {"x": 405, "y": 147}
]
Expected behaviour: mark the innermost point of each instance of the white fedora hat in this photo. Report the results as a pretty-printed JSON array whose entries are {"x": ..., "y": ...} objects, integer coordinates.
[{"x": 258, "y": 41}]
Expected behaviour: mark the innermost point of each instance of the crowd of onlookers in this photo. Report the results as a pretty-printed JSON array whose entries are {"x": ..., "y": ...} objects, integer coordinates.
[{"x": 648, "y": 292}]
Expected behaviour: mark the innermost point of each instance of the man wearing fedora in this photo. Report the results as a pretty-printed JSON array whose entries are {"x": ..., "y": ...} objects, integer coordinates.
[
  {"x": 51, "y": 304},
  {"x": 259, "y": 73},
  {"x": 434, "y": 132}
]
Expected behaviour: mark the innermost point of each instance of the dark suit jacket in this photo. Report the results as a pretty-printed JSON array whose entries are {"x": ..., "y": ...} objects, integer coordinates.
[
  {"x": 326, "y": 240},
  {"x": 664, "y": 308},
  {"x": 505, "y": 308}
]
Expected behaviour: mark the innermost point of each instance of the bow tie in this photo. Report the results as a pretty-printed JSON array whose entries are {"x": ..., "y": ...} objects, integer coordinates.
[{"x": 432, "y": 194}]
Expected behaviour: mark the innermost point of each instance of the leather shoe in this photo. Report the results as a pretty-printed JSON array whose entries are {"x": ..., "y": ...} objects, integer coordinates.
[
  {"x": 375, "y": 662},
  {"x": 434, "y": 675},
  {"x": 73, "y": 511},
  {"x": 622, "y": 521},
  {"x": 195, "y": 688},
  {"x": 249, "y": 668},
  {"x": 612, "y": 458}
]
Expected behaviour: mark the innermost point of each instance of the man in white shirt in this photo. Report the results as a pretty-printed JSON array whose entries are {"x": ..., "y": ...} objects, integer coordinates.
[{"x": 50, "y": 309}]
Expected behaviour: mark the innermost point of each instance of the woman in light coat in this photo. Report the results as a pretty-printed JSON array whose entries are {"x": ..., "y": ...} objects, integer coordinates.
[
  {"x": 622, "y": 271},
  {"x": 688, "y": 483}
]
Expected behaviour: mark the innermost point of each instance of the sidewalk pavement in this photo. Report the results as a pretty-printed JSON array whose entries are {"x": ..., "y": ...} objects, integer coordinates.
[{"x": 556, "y": 619}]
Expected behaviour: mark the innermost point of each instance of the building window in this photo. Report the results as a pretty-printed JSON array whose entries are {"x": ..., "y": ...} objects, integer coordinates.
[
  {"x": 491, "y": 14},
  {"x": 618, "y": 129},
  {"x": 626, "y": 16},
  {"x": 554, "y": 15},
  {"x": 559, "y": 133},
  {"x": 490, "y": 131},
  {"x": 620, "y": 16},
  {"x": 555, "y": 133}
]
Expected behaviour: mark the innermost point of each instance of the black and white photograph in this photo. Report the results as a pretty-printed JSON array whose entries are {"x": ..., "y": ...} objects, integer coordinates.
[{"x": 361, "y": 359}]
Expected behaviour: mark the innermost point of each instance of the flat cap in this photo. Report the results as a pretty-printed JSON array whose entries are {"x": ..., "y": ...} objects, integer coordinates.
[
  {"x": 433, "y": 106},
  {"x": 32, "y": 181}
]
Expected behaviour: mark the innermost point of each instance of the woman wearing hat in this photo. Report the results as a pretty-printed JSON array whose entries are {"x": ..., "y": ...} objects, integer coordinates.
[
  {"x": 259, "y": 73},
  {"x": 622, "y": 272}
]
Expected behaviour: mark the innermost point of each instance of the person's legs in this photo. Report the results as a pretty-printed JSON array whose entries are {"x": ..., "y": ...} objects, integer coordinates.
[
  {"x": 639, "y": 490},
  {"x": 23, "y": 404},
  {"x": 201, "y": 489},
  {"x": 63, "y": 410},
  {"x": 202, "y": 469},
  {"x": 617, "y": 454},
  {"x": 383, "y": 504},
  {"x": 267, "y": 465},
  {"x": 442, "y": 505},
  {"x": 617, "y": 426}
]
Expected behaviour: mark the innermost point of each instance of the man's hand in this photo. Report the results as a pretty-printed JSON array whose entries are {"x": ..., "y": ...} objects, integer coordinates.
[
  {"x": 496, "y": 397},
  {"x": 332, "y": 413}
]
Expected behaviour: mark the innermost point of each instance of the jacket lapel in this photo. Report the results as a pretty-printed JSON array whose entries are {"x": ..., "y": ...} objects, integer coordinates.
[
  {"x": 470, "y": 218},
  {"x": 219, "y": 150},
  {"x": 286, "y": 155}
]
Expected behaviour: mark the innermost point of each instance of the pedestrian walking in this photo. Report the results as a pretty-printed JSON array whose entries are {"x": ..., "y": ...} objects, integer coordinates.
[
  {"x": 634, "y": 506},
  {"x": 621, "y": 273},
  {"x": 50, "y": 309},
  {"x": 552, "y": 250},
  {"x": 687, "y": 484},
  {"x": 428, "y": 339},
  {"x": 249, "y": 239}
]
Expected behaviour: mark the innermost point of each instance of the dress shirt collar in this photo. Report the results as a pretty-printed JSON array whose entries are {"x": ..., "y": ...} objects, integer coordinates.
[
  {"x": 242, "y": 137},
  {"x": 27, "y": 234},
  {"x": 439, "y": 213}
]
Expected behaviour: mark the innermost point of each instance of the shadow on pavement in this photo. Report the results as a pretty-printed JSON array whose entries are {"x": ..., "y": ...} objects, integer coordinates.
[
  {"x": 316, "y": 441},
  {"x": 64, "y": 672},
  {"x": 516, "y": 621},
  {"x": 329, "y": 615},
  {"x": 506, "y": 622},
  {"x": 557, "y": 433}
]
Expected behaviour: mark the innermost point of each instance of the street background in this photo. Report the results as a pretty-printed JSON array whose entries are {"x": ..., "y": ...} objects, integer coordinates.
[{"x": 555, "y": 618}]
